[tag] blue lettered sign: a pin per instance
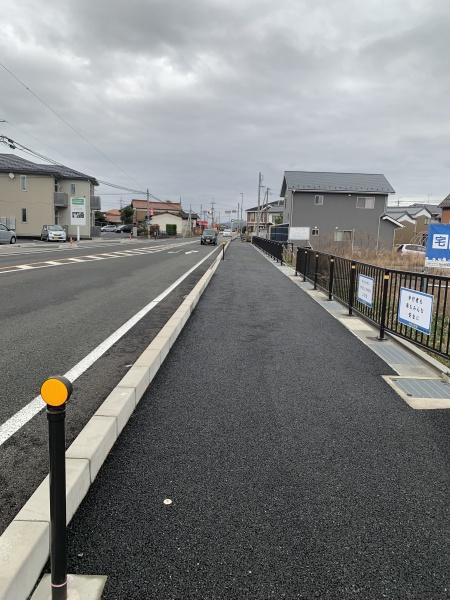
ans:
(438, 246)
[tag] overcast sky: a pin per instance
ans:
(193, 97)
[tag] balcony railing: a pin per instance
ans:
(61, 200)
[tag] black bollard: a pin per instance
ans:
(55, 391)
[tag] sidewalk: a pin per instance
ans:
(294, 470)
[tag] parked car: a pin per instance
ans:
(209, 236)
(109, 228)
(127, 228)
(413, 249)
(53, 233)
(226, 233)
(7, 236)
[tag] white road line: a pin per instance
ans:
(21, 417)
(89, 258)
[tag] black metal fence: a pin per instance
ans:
(374, 293)
(270, 247)
(279, 233)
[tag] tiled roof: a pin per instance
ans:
(309, 181)
(159, 206)
(445, 202)
(10, 163)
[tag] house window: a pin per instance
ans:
(23, 183)
(315, 231)
(365, 202)
(24, 215)
(318, 200)
(72, 189)
(343, 235)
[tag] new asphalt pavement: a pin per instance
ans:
(54, 314)
(269, 459)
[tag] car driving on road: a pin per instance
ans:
(226, 233)
(209, 236)
(53, 233)
(7, 236)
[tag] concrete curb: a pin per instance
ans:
(24, 545)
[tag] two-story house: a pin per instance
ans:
(325, 209)
(269, 214)
(33, 195)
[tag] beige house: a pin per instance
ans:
(33, 195)
(164, 213)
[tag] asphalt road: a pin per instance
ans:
(52, 317)
(294, 470)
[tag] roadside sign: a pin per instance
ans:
(365, 290)
(299, 233)
(438, 246)
(78, 211)
(415, 309)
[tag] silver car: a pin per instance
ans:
(7, 236)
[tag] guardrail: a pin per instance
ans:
(270, 247)
(414, 306)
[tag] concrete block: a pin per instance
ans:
(119, 404)
(137, 378)
(151, 358)
(94, 442)
(163, 344)
(24, 548)
(78, 480)
(79, 587)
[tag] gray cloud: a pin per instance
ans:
(194, 98)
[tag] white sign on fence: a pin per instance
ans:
(365, 290)
(299, 233)
(415, 309)
(78, 211)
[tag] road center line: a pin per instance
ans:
(25, 414)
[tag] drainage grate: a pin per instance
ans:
(392, 354)
(423, 388)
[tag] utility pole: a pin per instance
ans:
(240, 216)
(190, 222)
(258, 214)
(148, 214)
(267, 212)
(212, 213)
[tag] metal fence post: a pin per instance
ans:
(55, 391)
(296, 261)
(330, 282)
(305, 267)
(316, 270)
(386, 278)
(351, 291)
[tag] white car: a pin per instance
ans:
(414, 249)
(109, 228)
(226, 233)
(7, 236)
(53, 233)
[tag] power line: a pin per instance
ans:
(13, 144)
(66, 122)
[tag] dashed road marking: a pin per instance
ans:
(91, 258)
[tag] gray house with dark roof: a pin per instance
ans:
(325, 209)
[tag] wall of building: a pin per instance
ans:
(445, 218)
(37, 200)
(167, 219)
(339, 212)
